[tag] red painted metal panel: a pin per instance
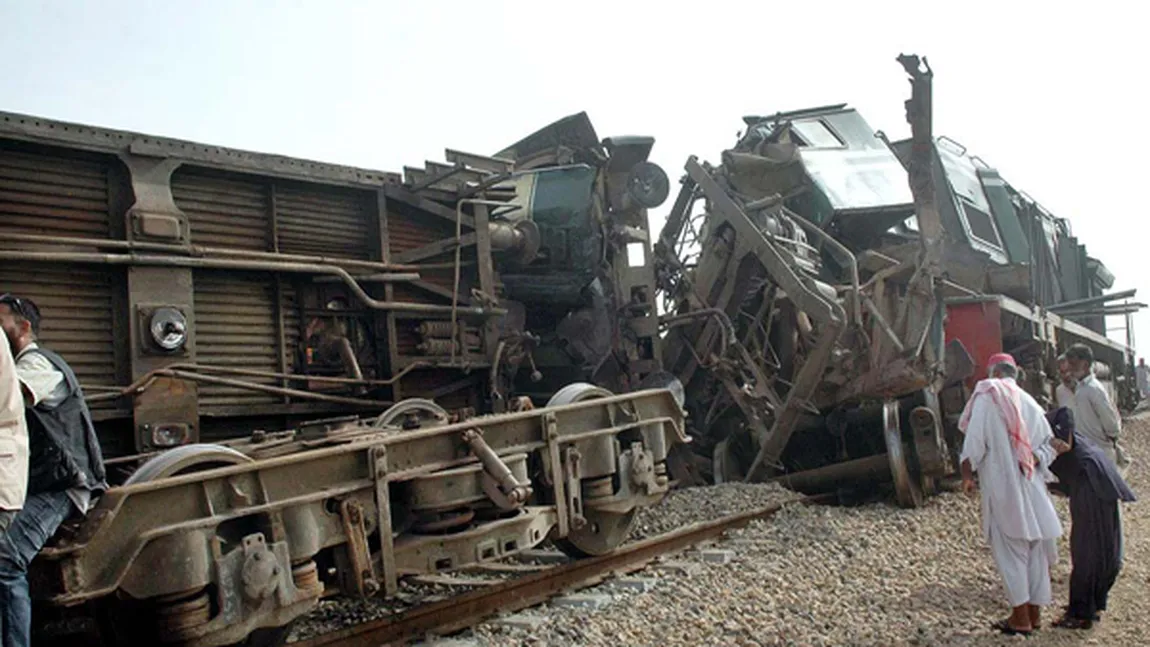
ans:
(978, 327)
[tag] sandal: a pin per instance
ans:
(1004, 627)
(1070, 622)
(1096, 617)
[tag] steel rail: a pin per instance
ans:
(467, 610)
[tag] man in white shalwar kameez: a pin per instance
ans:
(1009, 443)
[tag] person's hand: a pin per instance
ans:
(968, 486)
(1060, 446)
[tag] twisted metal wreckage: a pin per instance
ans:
(826, 321)
(306, 347)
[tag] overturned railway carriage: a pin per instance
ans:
(201, 292)
(314, 378)
(829, 316)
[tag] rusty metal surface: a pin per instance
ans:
(224, 211)
(54, 193)
(792, 302)
(106, 140)
(196, 512)
(327, 221)
(236, 327)
(42, 193)
(77, 310)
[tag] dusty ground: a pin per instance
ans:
(1125, 622)
(872, 575)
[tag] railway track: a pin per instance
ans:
(470, 609)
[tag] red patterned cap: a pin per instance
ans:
(1001, 358)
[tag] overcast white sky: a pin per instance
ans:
(1049, 94)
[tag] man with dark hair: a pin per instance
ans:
(66, 465)
(1095, 416)
(1064, 392)
(1095, 489)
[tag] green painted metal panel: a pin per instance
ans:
(1009, 225)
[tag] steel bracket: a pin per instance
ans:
(383, 507)
(361, 578)
(554, 471)
(154, 215)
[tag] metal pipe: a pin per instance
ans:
(846, 255)
(266, 266)
(140, 384)
(882, 323)
(1089, 301)
(515, 491)
(861, 470)
(347, 354)
(1120, 309)
(277, 390)
(254, 386)
(400, 277)
(198, 250)
(726, 327)
(887, 272)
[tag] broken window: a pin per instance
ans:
(815, 134)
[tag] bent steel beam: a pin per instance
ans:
(828, 314)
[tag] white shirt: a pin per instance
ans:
(49, 389)
(1019, 507)
(1095, 416)
(1064, 396)
(13, 433)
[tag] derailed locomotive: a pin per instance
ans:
(830, 316)
(820, 322)
(310, 378)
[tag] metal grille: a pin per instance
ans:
(236, 327)
(76, 307)
(224, 212)
(409, 229)
(44, 194)
(325, 221)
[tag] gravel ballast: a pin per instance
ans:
(871, 575)
(679, 508)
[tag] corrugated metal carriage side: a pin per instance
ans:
(67, 204)
(58, 192)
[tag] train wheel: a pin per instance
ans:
(603, 533)
(577, 392)
(412, 413)
(186, 459)
(907, 487)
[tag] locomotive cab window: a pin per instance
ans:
(980, 225)
(814, 134)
